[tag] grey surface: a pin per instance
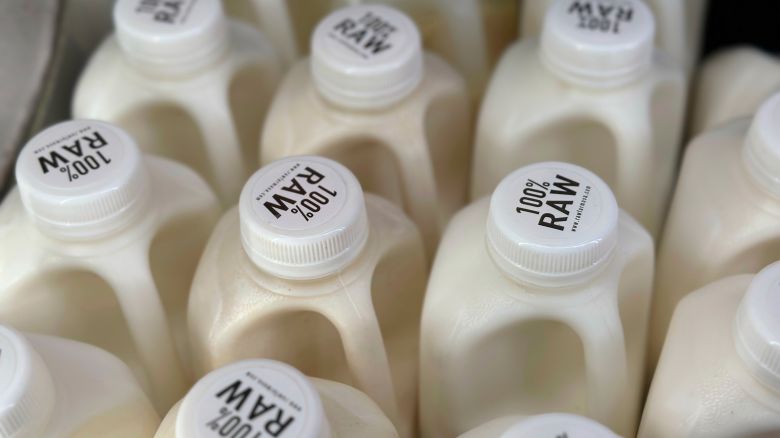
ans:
(44, 45)
(27, 34)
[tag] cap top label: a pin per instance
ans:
(551, 202)
(76, 155)
(363, 33)
(168, 12)
(255, 402)
(298, 195)
(601, 21)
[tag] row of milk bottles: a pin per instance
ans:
(591, 90)
(550, 312)
(106, 240)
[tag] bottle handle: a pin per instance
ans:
(274, 19)
(211, 111)
(358, 326)
(464, 26)
(606, 363)
(131, 278)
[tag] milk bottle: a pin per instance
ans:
(733, 84)
(53, 387)
(470, 34)
(718, 375)
(723, 219)
(541, 426)
(369, 98)
(680, 24)
(186, 83)
(306, 271)
(597, 98)
(551, 281)
(99, 244)
(256, 397)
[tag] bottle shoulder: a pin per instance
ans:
(716, 203)
(177, 192)
(228, 275)
(297, 101)
(351, 413)
(464, 264)
(699, 375)
(88, 381)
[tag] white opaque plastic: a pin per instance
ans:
(613, 114)
(100, 244)
(556, 425)
(57, 387)
(718, 374)
(680, 25)
(562, 339)
(470, 34)
(293, 405)
(187, 83)
(414, 152)
(732, 84)
(724, 213)
(343, 308)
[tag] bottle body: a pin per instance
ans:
(700, 387)
(414, 153)
(358, 327)
(495, 316)
(732, 84)
(125, 293)
(679, 24)
(628, 136)
(209, 120)
(727, 229)
(349, 413)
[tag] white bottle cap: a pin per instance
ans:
(757, 326)
(366, 56)
(598, 43)
(558, 426)
(26, 388)
(256, 397)
(163, 37)
(552, 224)
(303, 217)
(761, 153)
(82, 179)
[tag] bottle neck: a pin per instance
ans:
(181, 64)
(756, 166)
(597, 80)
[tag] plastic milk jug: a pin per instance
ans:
(187, 83)
(100, 244)
(551, 281)
(541, 426)
(680, 24)
(54, 387)
(724, 215)
(260, 397)
(719, 373)
(370, 98)
(733, 84)
(307, 271)
(600, 98)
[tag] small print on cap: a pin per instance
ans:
(72, 155)
(299, 194)
(601, 20)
